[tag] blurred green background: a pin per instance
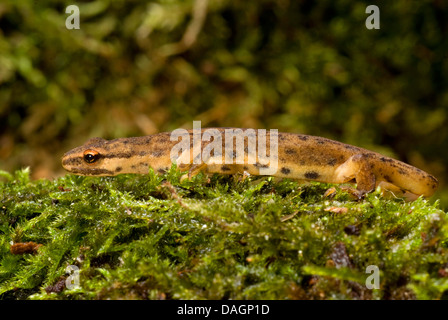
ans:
(141, 67)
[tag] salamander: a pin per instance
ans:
(298, 156)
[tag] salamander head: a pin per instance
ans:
(91, 159)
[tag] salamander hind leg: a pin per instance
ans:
(390, 191)
(359, 168)
(191, 168)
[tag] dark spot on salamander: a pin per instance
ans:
(225, 168)
(387, 178)
(290, 151)
(144, 164)
(161, 170)
(162, 139)
(285, 170)
(157, 153)
(311, 175)
(245, 168)
(133, 166)
(332, 162)
(349, 147)
(118, 169)
(433, 179)
(259, 165)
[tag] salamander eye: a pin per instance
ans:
(91, 156)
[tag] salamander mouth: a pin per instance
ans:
(90, 171)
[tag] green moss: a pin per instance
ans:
(219, 237)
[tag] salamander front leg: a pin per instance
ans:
(359, 168)
(193, 169)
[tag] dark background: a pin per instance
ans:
(137, 68)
